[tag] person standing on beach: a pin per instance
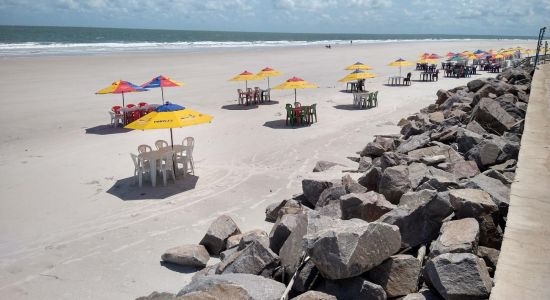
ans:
(351, 42)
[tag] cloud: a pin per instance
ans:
(313, 5)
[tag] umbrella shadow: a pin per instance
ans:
(178, 268)
(127, 189)
(349, 107)
(393, 85)
(106, 130)
(281, 124)
(272, 102)
(239, 107)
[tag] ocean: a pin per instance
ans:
(46, 40)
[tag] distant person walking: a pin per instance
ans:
(351, 42)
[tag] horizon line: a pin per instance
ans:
(270, 32)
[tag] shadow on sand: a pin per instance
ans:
(126, 189)
(178, 268)
(239, 107)
(349, 107)
(106, 129)
(272, 102)
(281, 124)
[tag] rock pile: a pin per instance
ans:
(424, 221)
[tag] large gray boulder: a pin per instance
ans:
(314, 295)
(419, 218)
(350, 248)
(232, 286)
(313, 188)
(491, 116)
(323, 165)
(351, 185)
(463, 169)
(392, 159)
(371, 178)
(306, 277)
(498, 191)
(294, 247)
(436, 179)
(219, 231)
(187, 255)
(490, 234)
(394, 183)
(356, 288)
(414, 142)
(281, 230)
(490, 256)
(368, 206)
(458, 276)
(460, 236)
(471, 203)
(330, 194)
(254, 235)
(423, 295)
(398, 275)
(373, 149)
(438, 149)
(158, 296)
(255, 259)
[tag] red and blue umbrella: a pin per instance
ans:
(121, 87)
(161, 82)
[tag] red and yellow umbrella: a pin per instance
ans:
(121, 87)
(246, 76)
(161, 82)
(295, 83)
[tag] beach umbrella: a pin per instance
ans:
(400, 63)
(498, 56)
(456, 58)
(426, 61)
(121, 87)
(358, 66)
(161, 82)
(434, 56)
(295, 83)
(246, 76)
(356, 75)
(478, 51)
(268, 72)
(169, 116)
(450, 54)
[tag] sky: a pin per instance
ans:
(506, 17)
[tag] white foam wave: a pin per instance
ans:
(31, 48)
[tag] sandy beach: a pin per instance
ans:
(73, 225)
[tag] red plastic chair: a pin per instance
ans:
(142, 104)
(116, 109)
(130, 105)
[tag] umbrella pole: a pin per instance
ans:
(268, 82)
(171, 138)
(294, 97)
(162, 93)
(246, 84)
(122, 99)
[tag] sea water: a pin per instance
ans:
(47, 40)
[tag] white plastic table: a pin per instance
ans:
(153, 156)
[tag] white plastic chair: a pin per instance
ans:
(167, 164)
(116, 118)
(161, 144)
(144, 148)
(187, 159)
(140, 168)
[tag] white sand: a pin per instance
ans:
(70, 227)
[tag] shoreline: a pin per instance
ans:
(125, 50)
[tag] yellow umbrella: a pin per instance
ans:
(400, 63)
(169, 116)
(498, 56)
(246, 76)
(268, 72)
(356, 75)
(358, 66)
(295, 83)
(426, 61)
